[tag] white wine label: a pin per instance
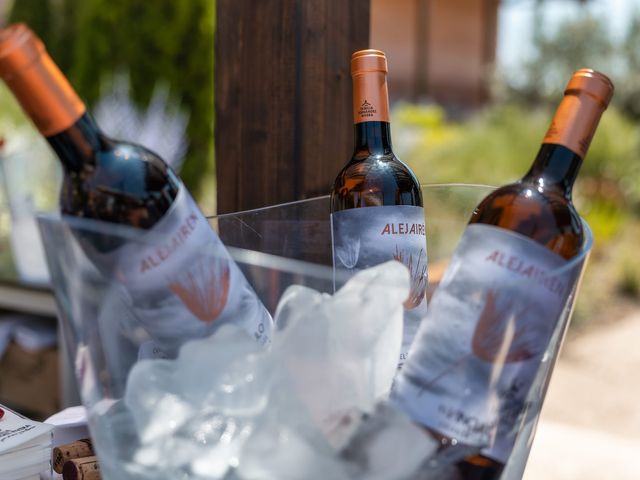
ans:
(182, 284)
(365, 237)
(477, 352)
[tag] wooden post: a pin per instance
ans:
(283, 97)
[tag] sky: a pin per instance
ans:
(515, 20)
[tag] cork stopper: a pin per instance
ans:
(63, 453)
(85, 468)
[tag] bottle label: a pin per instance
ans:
(478, 350)
(365, 237)
(181, 283)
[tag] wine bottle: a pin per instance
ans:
(175, 289)
(492, 316)
(376, 201)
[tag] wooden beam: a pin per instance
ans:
(283, 97)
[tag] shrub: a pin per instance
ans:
(493, 147)
(159, 41)
(497, 145)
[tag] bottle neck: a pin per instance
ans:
(77, 146)
(44, 93)
(567, 140)
(371, 112)
(372, 138)
(46, 96)
(555, 167)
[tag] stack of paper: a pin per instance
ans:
(69, 425)
(25, 447)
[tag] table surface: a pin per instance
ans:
(25, 298)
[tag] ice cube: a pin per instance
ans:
(341, 351)
(191, 418)
(284, 453)
(388, 446)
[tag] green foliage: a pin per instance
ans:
(605, 218)
(170, 41)
(615, 143)
(609, 181)
(628, 81)
(65, 22)
(625, 262)
(12, 113)
(36, 14)
(581, 42)
(608, 189)
(629, 283)
(160, 41)
(495, 146)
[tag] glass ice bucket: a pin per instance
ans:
(275, 248)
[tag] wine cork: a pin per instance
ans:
(64, 453)
(85, 468)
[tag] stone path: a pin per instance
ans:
(590, 424)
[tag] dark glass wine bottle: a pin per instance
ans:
(126, 184)
(492, 317)
(376, 201)
(539, 206)
(103, 179)
(374, 176)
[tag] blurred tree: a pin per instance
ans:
(64, 25)
(35, 13)
(628, 85)
(576, 43)
(160, 41)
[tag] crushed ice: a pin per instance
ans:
(309, 407)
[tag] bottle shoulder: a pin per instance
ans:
(381, 164)
(130, 159)
(125, 183)
(375, 180)
(544, 215)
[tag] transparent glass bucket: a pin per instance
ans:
(275, 247)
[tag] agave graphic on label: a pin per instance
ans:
(418, 275)
(348, 252)
(204, 288)
(504, 333)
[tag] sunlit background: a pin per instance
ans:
(472, 105)
(473, 85)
